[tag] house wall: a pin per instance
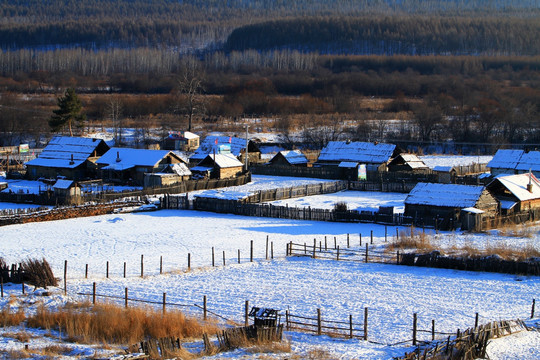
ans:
(487, 202)
(501, 171)
(528, 205)
(415, 210)
(36, 172)
(229, 172)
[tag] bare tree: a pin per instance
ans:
(189, 86)
(114, 109)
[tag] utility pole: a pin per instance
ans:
(247, 143)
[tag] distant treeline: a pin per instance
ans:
(411, 35)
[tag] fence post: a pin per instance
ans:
(397, 258)
(86, 272)
(314, 248)
(251, 251)
(239, 255)
(365, 323)
(397, 234)
(126, 297)
(319, 322)
(325, 244)
(337, 254)
(385, 233)
(476, 321)
(125, 269)
(532, 310)
(22, 287)
(305, 248)
(161, 264)
(367, 251)
(433, 329)
(65, 277)
(142, 265)
(164, 301)
(335, 243)
(272, 250)
(290, 248)
(287, 320)
(360, 236)
(246, 312)
(223, 257)
(94, 293)
(371, 237)
(414, 329)
(350, 327)
(348, 244)
(213, 259)
(2, 284)
(266, 247)
(107, 270)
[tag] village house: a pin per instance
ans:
(446, 201)
(289, 158)
(516, 193)
(226, 145)
(409, 163)
(171, 174)
(511, 162)
(126, 165)
(219, 166)
(181, 140)
(375, 155)
(69, 157)
(67, 191)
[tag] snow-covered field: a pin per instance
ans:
(454, 160)
(301, 285)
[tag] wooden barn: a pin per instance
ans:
(126, 165)
(407, 162)
(289, 158)
(70, 157)
(445, 201)
(226, 145)
(516, 193)
(67, 191)
(219, 166)
(374, 155)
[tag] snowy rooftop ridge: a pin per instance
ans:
(211, 144)
(445, 195)
(126, 158)
(223, 160)
(294, 157)
(66, 152)
(517, 185)
(516, 159)
(362, 152)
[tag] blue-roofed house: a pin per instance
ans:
(226, 145)
(127, 165)
(505, 161)
(70, 157)
(290, 158)
(374, 155)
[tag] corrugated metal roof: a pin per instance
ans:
(225, 160)
(413, 161)
(62, 184)
(60, 151)
(506, 159)
(348, 164)
(529, 161)
(361, 152)
(517, 185)
(126, 158)
(445, 195)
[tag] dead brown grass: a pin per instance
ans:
(270, 347)
(10, 318)
(21, 336)
(411, 239)
(516, 230)
(15, 354)
(114, 324)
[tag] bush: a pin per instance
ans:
(340, 206)
(38, 273)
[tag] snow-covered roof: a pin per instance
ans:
(529, 161)
(362, 152)
(66, 152)
(348, 164)
(127, 158)
(517, 185)
(180, 169)
(293, 157)
(443, 168)
(506, 159)
(473, 210)
(445, 195)
(62, 184)
(209, 146)
(413, 161)
(221, 160)
(189, 135)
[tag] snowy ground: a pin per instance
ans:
(301, 285)
(454, 160)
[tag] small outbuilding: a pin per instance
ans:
(445, 202)
(181, 140)
(219, 166)
(171, 174)
(290, 158)
(67, 191)
(516, 193)
(409, 163)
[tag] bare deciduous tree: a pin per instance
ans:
(189, 86)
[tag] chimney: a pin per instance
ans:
(118, 156)
(529, 185)
(71, 162)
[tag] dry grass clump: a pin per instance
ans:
(15, 354)
(114, 324)
(411, 240)
(9, 318)
(21, 336)
(38, 273)
(516, 230)
(508, 253)
(270, 347)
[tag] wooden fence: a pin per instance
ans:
(320, 326)
(297, 191)
(296, 171)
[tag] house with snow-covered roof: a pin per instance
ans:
(445, 201)
(516, 193)
(407, 162)
(127, 165)
(374, 155)
(289, 158)
(509, 162)
(181, 140)
(226, 145)
(218, 166)
(169, 175)
(70, 157)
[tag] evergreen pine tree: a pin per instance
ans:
(68, 112)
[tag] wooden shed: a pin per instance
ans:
(226, 145)
(445, 201)
(67, 191)
(407, 162)
(219, 166)
(171, 174)
(516, 193)
(290, 158)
